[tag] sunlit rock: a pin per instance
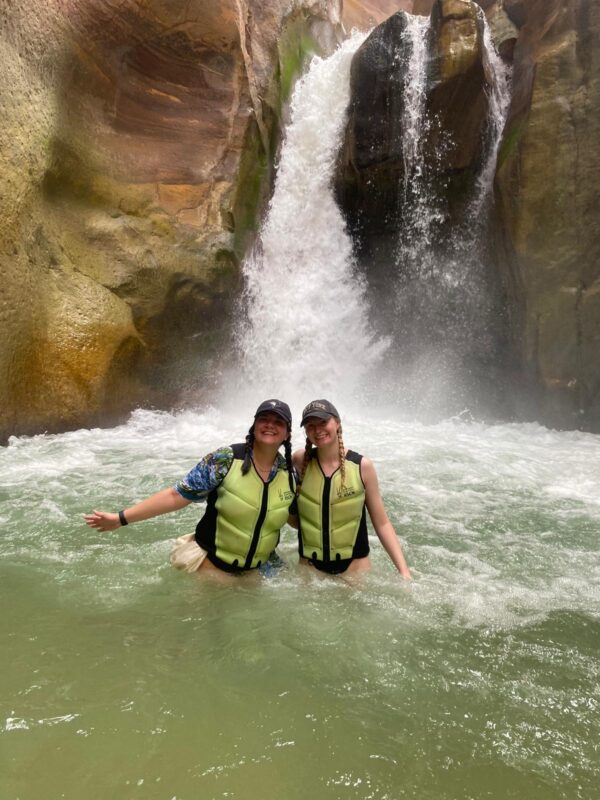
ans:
(457, 100)
(137, 144)
(365, 14)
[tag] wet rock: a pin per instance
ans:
(365, 14)
(504, 32)
(549, 188)
(457, 100)
(372, 163)
(517, 11)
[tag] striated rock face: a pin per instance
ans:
(365, 14)
(135, 150)
(425, 7)
(549, 188)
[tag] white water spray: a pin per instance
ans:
(415, 94)
(418, 210)
(307, 331)
(499, 77)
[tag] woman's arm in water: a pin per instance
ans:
(381, 522)
(159, 503)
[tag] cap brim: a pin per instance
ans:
(318, 415)
(273, 411)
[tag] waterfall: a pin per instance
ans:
(445, 314)
(307, 329)
(417, 208)
(415, 95)
(499, 75)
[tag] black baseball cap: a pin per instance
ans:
(322, 409)
(275, 407)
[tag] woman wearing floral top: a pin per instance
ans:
(248, 488)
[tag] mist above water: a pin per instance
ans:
(308, 331)
(444, 308)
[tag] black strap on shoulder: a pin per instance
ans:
(239, 450)
(353, 456)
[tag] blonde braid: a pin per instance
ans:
(342, 456)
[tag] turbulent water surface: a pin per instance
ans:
(123, 678)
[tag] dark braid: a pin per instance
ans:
(287, 446)
(307, 456)
(248, 452)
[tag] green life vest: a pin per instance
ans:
(244, 516)
(332, 515)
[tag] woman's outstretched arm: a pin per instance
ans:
(159, 503)
(381, 522)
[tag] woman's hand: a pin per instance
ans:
(103, 520)
(160, 503)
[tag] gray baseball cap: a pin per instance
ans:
(322, 409)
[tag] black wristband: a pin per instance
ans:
(122, 518)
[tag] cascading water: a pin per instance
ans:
(499, 75)
(417, 209)
(307, 315)
(447, 315)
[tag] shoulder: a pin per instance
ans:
(298, 458)
(354, 457)
(221, 457)
(367, 471)
(237, 450)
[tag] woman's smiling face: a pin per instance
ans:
(270, 428)
(321, 432)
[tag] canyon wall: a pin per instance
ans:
(548, 186)
(543, 245)
(137, 147)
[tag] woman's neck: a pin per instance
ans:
(264, 454)
(329, 454)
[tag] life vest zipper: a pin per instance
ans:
(325, 519)
(259, 523)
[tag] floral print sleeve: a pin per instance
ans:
(206, 475)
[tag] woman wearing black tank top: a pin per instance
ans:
(335, 488)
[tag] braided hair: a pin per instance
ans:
(308, 454)
(287, 446)
(248, 451)
(342, 451)
(308, 450)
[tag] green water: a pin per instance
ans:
(125, 679)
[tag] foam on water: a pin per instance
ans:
(498, 520)
(135, 673)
